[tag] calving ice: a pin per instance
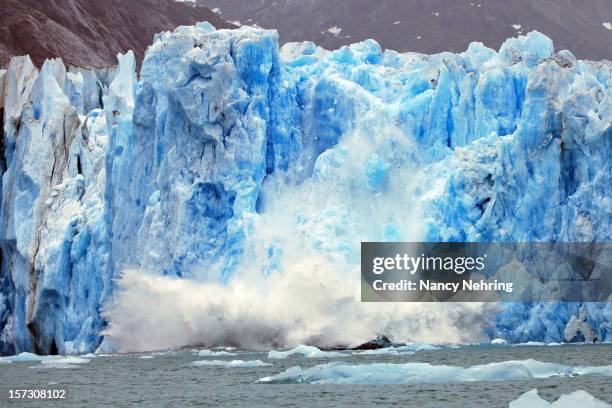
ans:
(233, 175)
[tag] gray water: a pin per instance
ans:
(168, 380)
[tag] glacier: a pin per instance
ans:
(226, 157)
(425, 373)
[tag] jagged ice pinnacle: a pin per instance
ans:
(180, 171)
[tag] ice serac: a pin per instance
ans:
(199, 125)
(182, 171)
(54, 256)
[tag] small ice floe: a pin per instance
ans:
(235, 22)
(536, 343)
(607, 25)
(65, 360)
(517, 26)
(436, 14)
(417, 347)
(216, 10)
(213, 353)
(424, 373)
(306, 352)
(25, 357)
(579, 398)
(499, 341)
(145, 357)
(387, 351)
(30, 357)
(55, 366)
(396, 349)
(396, 22)
(230, 364)
(162, 353)
(334, 30)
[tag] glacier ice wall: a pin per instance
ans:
(55, 271)
(228, 162)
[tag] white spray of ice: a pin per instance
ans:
(299, 278)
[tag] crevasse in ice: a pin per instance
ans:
(170, 170)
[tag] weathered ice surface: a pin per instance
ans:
(228, 154)
(55, 257)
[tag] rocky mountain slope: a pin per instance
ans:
(430, 26)
(90, 33)
(221, 196)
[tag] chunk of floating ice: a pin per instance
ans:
(499, 341)
(212, 353)
(231, 364)
(55, 365)
(379, 373)
(579, 398)
(30, 357)
(306, 352)
(66, 360)
(334, 30)
(417, 347)
(25, 357)
(387, 351)
(536, 343)
(145, 357)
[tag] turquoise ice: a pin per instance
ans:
(172, 170)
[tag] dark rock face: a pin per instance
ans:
(90, 33)
(377, 343)
(430, 26)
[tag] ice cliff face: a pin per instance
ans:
(174, 171)
(54, 241)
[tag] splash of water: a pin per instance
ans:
(299, 280)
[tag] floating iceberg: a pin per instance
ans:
(55, 366)
(387, 351)
(66, 360)
(212, 353)
(231, 364)
(418, 347)
(579, 398)
(25, 357)
(306, 352)
(232, 164)
(379, 373)
(54, 361)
